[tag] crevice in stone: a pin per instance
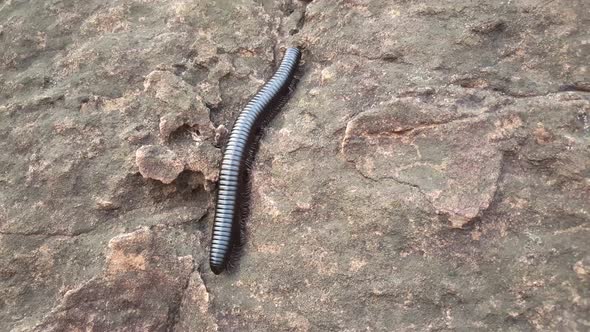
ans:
(496, 197)
(404, 183)
(400, 132)
(575, 87)
(47, 234)
(503, 90)
(197, 225)
(301, 22)
(174, 309)
(185, 132)
(213, 110)
(390, 58)
(412, 186)
(188, 182)
(198, 271)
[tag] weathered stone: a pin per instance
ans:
(141, 288)
(422, 144)
(202, 158)
(185, 107)
(194, 311)
(158, 163)
(103, 204)
(170, 89)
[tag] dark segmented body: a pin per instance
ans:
(226, 233)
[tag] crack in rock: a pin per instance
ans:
(448, 151)
(194, 311)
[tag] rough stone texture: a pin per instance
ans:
(158, 163)
(430, 172)
(421, 142)
(141, 288)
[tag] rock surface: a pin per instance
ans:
(158, 163)
(430, 172)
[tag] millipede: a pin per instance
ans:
(231, 208)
